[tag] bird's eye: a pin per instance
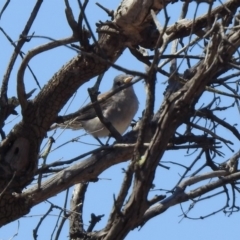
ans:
(118, 84)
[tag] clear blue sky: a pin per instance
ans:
(51, 22)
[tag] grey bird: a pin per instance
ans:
(119, 109)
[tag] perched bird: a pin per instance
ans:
(119, 109)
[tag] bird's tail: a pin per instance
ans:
(73, 124)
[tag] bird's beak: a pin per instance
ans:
(128, 79)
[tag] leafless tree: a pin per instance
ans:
(178, 124)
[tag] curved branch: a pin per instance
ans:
(209, 114)
(180, 196)
(20, 76)
(21, 41)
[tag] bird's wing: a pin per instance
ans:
(86, 115)
(90, 113)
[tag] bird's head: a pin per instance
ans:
(121, 80)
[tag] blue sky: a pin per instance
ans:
(51, 22)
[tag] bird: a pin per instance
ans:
(118, 109)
